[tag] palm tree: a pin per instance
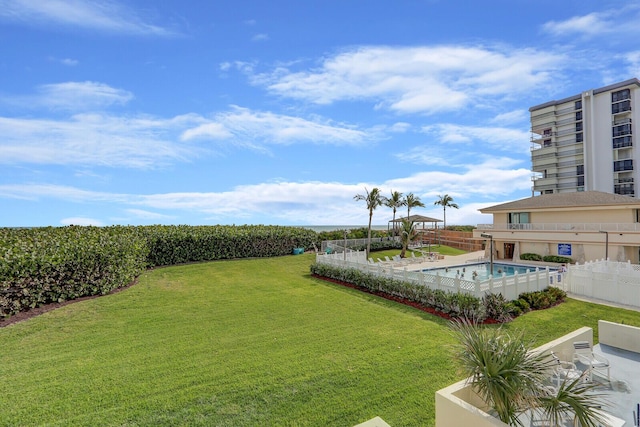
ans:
(407, 234)
(373, 199)
(511, 378)
(412, 201)
(445, 201)
(394, 202)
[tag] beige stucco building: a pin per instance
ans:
(584, 226)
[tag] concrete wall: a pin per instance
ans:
(620, 336)
(458, 405)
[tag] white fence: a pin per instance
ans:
(617, 282)
(338, 245)
(509, 286)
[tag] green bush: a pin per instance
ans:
(496, 306)
(44, 265)
(522, 304)
(456, 305)
(531, 257)
(55, 264)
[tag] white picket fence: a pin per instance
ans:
(617, 282)
(509, 286)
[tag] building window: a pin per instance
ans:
(548, 191)
(622, 141)
(546, 132)
(579, 105)
(547, 143)
(579, 127)
(579, 137)
(621, 130)
(621, 107)
(620, 95)
(581, 181)
(578, 115)
(517, 220)
(623, 165)
(580, 170)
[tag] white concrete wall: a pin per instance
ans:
(620, 336)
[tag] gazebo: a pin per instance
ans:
(416, 219)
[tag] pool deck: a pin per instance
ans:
(449, 260)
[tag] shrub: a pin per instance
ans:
(456, 305)
(557, 259)
(55, 264)
(531, 257)
(522, 304)
(496, 307)
(513, 309)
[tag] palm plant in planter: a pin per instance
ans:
(513, 379)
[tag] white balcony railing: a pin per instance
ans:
(594, 227)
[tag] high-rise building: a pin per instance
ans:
(585, 142)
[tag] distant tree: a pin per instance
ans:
(394, 202)
(412, 201)
(373, 199)
(445, 201)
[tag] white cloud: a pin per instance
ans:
(72, 96)
(245, 126)
(511, 117)
(619, 22)
(93, 139)
(260, 37)
(101, 15)
(311, 202)
(425, 79)
(143, 214)
(500, 138)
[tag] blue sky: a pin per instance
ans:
(279, 112)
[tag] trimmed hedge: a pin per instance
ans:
(456, 305)
(43, 265)
(547, 258)
(55, 264)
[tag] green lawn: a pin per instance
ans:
(239, 343)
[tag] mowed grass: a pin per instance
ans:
(240, 343)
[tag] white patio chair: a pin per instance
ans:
(564, 371)
(583, 353)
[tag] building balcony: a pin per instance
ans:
(571, 227)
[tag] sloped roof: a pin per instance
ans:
(417, 218)
(565, 200)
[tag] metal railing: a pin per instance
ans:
(620, 227)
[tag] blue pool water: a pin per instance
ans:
(481, 270)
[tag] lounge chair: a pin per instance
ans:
(583, 353)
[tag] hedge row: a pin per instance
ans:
(547, 258)
(43, 265)
(456, 305)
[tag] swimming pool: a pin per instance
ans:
(480, 271)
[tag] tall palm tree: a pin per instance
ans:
(373, 199)
(412, 201)
(511, 378)
(407, 234)
(394, 202)
(445, 201)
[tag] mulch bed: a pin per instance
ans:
(397, 299)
